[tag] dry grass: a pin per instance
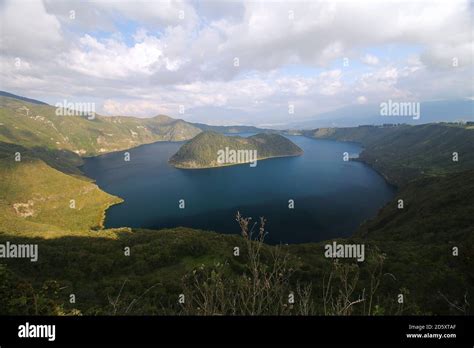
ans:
(264, 288)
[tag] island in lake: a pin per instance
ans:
(210, 150)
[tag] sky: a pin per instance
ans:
(230, 62)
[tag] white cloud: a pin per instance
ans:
(142, 58)
(138, 108)
(102, 14)
(115, 60)
(331, 83)
(370, 59)
(27, 30)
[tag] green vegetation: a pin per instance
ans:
(36, 199)
(203, 150)
(403, 153)
(33, 125)
(202, 266)
(435, 210)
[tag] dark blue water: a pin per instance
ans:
(332, 197)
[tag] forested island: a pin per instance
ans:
(210, 150)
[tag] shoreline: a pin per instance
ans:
(378, 171)
(103, 214)
(232, 164)
(360, 160)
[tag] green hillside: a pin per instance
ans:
(403, 153)
(202, 151)
(35, 198)
(435, 210)
(33, 125)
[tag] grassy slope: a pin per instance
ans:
(35, 200)
(202, 150)
(32, 125)
(35, 193)
(436, 210)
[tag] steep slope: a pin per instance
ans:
(44, 194)
(404, 153)
(203, 150)
(435, 210)
(33, 125)
(38, 200)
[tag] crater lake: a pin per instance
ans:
(331, 196)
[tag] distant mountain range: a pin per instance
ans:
(355, 115)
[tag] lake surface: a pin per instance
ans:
(331, 196)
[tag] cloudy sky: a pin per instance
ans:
(236, 62)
